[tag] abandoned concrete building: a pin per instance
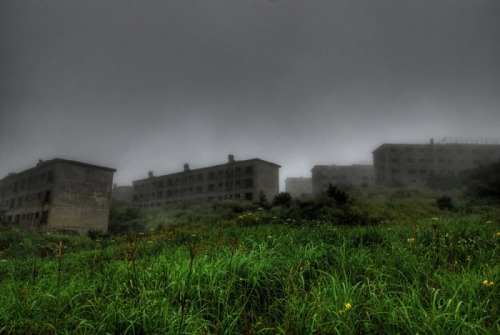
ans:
(236, 180)
(416, 164)
(298, 187)
(356, 175)
(58, 195)
(121, 194)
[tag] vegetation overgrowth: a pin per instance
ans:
(404, 262)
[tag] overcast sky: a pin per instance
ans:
(142, 85)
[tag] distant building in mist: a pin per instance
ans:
(235, 180)
(58, 195)
(298, 186)
(356, 175)
(122, 194)
(431, 163)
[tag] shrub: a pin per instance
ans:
(445, 203)
(282, 199)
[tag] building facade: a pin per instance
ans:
(122, 194)
(356, 175)
(236, 180)
(417, 164)
(58, 195)
(298, 186)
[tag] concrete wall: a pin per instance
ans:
(414, 164)
(81, 198)
(58, 195)
(356, 175)
(235, 180)
(298, 187)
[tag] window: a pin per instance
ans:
(45, 217)
(46, 197)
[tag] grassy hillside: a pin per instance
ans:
(382, 265)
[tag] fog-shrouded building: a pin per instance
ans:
(235, 180)
(58, 195)
(122, 194)
(298, 186)
(418, 164)
(356, 175)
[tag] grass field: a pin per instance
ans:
(414, 273)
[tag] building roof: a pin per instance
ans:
(212, 167)
(60, 160)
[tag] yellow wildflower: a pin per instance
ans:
(486, 282)
(348, 306)
(491, 283)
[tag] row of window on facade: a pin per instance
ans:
(431, 160)
(472, 150)
(237, 196)
(29, 218)
(350, 177)
(424, 172)
(225, 173)
(198, 189)
(27, 183)
(39, 197)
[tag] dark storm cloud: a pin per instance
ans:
(143, 85)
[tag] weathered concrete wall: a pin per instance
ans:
(122, 194)
(237, 180)
(58, 195)
(267, 180)
(414, 164)
(298, 187)
(81, 198)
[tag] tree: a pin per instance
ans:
(484, 182)
(340, 197)
(263, 202)
(282, 199)
(123, 218)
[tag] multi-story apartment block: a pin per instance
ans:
(58, 195)
(298, 186)
(237, 180)
(356, 175)
(416, 164)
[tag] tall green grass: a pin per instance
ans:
(424, 276)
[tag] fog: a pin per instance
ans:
(151, 85)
